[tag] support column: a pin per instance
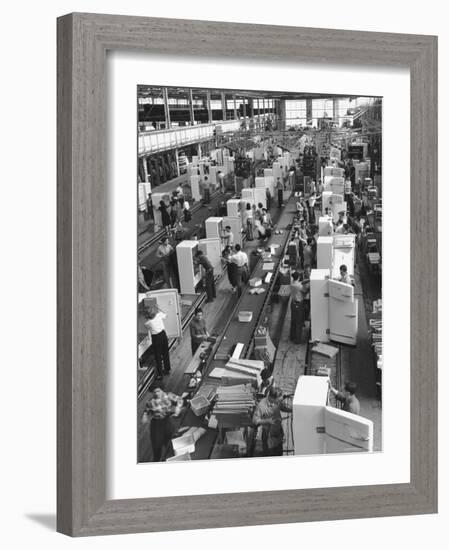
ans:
(282, 124)
(309, 111)
(258, 114)
(208, 106)
(145, 168)
(235, 107)
(177, 162)
(244, 108)
(223, 105)
(335, 110)
(192, 113)
(166, 108)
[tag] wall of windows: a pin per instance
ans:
(295, 113)
(296, 110)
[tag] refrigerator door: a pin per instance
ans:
(319, 303)
(346, 432)
(212, 249)
(343, 321)
(168, 301)
(341, 291)
(344, 247)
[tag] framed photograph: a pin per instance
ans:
(181, 144)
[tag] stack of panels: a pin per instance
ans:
(239, 371)
(234, 405)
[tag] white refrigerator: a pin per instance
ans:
(343, 313)
(189, 272)
(214, 227)
(320, 429)
(168, 301)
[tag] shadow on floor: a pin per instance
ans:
(46, 520)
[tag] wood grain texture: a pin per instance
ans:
(83, 40)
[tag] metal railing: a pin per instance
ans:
(162, 140)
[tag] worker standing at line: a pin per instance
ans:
(220, 178)
(164, 252)
(280, 190)
(160, 409)
(240, 259)
(268, 415)
(266, 383)
(228, 236)
(305, 281)
(347, 397)
(312, 200)
(297, 309)
(203, 260)
(231, 267)
(248, 221)
(159, 340)
(198, 331)
(308, 255)
(268, 197)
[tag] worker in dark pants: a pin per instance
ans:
(280, 190)
(268, 416)
(297, 308)
(159, 340)
(203, 260)
(160, 409)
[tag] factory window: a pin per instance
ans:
(295, 113)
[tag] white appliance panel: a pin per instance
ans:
(343, 321)
(324, 252)
(347, 432)
(168, 302)
(319, 303)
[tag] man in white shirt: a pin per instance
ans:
(240, 259)
(164, 251)
(297, 292)
(159, 340)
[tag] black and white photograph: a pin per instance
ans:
(259, 273)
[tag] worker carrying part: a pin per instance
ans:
(159, 340)
(160, 409)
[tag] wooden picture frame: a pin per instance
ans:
(83, 40)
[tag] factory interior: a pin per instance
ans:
(259, 274)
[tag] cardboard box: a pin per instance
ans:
(245, 316)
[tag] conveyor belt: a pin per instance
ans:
(236, 331)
